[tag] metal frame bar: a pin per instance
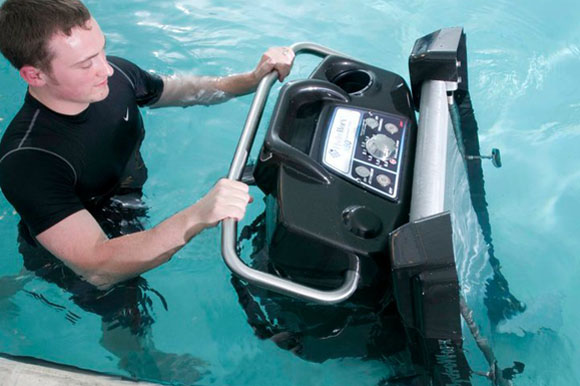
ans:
(229, 226)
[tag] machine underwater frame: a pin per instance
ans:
(346, 140)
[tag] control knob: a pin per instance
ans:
(380, 146)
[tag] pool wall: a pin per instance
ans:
(27, 372)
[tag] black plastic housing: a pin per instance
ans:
(441, 55)
(426, 290)
(315, 216)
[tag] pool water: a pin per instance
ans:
(524, 66)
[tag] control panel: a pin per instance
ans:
(366, 147)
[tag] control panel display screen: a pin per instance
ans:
(341, 139)
(366, 147)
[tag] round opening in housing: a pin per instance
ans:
(353, 81)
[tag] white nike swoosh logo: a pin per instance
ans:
(126, 117)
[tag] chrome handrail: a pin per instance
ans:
(229, 226)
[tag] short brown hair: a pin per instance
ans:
(26, 26)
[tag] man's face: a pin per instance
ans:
(79, 70)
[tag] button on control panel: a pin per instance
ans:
(367, 147)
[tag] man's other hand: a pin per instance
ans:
(227, 199)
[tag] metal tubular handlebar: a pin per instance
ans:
(229, 226)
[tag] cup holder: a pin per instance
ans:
(354, 82)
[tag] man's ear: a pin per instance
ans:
(33, 76)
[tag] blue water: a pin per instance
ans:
(524, 71)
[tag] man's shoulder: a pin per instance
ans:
(126, 69)
(33, 131)
(17, 128)
(121, 62)
(147, 86)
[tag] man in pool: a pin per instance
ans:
(70, 162)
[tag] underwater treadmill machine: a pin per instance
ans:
(355, 193)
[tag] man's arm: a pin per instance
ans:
(187, 90)
(82, 245)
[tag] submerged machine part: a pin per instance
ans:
(354, 255)
(336, 165)
(427, 296)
